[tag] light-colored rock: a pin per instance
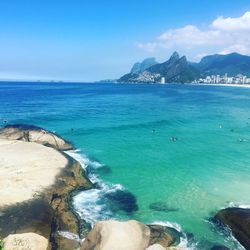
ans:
(114, 235)
(156, 247)
(160, 247)
(26, 170)
(27, 241)
(34, 134)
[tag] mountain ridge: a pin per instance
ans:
(179, 69)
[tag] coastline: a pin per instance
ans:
(51, 214)
(48, 216)
(48, 179)
(220, 85)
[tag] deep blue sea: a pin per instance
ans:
(170, 154)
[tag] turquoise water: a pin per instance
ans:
(124, 134)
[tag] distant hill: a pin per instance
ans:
(139, 67)
(178, 69)
(232, 64)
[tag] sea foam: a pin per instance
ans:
(92, 207)
(90, 204)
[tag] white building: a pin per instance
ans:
(163, 81)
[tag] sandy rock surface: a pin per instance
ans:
(27, 241)
(114, 235)
(27, 169)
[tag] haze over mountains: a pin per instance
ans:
(178, 69)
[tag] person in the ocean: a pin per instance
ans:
(242, 140)
(153, 131)
(174, 139)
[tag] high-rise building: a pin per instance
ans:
(163, 81)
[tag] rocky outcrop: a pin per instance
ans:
(28, 241)
(165, 236)
(159, 247)
(130, 235)
(34, 134)
(156, 247)
(238, 220)
(43, 181)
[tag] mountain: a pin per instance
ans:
(139, 67)
(176, 69)
(232, 64)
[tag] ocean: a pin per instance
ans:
(168, 154)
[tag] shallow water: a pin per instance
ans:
(124, 134)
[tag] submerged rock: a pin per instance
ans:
(219, 247)
(27, 241)
(131, 235)
(238, 220)
(121, 200)
(34, 134)
(162, 207)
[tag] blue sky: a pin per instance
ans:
(91, 40)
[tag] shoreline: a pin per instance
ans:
(52, 214)
(220, 85)
(42, 203)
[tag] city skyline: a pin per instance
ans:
(224, 79)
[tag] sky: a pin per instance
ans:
(83, 40)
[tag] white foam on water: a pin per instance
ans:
(233, 204)
(90, 204)
(69, 235)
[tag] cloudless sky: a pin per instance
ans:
(93, 39)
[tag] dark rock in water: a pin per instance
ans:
(162, 207)
(238, 220)
(165, 236)
(121, 200)
(104, 170)
(219, 247)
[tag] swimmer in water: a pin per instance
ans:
(242, 140)
(174, 139)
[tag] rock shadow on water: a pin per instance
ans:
(121, 200)
(162, 207)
